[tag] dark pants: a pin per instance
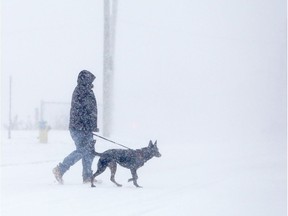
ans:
(84, 150)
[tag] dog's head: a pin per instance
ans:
(154, 149)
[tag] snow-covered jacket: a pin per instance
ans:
(83, 112)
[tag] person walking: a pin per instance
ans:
(82, 124)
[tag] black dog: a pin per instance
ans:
(131, 159)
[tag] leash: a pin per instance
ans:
(111, 141)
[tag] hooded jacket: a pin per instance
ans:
(83, 112)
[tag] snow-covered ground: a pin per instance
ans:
(189, 179)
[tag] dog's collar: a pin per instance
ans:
(139, 153)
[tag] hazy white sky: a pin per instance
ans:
(184, 66)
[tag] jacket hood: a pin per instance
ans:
(85, 78)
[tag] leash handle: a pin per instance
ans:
(111, 141)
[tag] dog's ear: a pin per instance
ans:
(155, 143)
(150, 143)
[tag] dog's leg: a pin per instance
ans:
(113, 167)
(134, 177)
(101, 167)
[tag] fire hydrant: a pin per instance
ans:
(43, 132)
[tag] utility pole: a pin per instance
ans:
(110, 16)
(10, 107)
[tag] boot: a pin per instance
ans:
(58, 175)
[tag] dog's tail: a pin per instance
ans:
(97, 153)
